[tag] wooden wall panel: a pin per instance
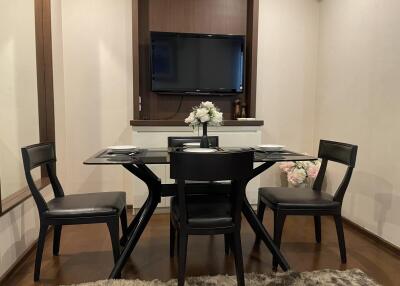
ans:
(44, 64)
(198, 16)
(147, 99)
(135, 59)
(168, 105)
(251, 56)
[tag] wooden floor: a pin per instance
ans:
(85, 254)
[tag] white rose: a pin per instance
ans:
(296, 176)
(218, 117)
(201, 112)
(190, 118)
(205, 118)
(304, 164)
(207, 104)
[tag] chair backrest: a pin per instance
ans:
(179, 141)
(41, 155)
(342, 153)
(234, 166)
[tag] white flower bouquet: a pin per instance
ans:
(205, 113)
(301, 171)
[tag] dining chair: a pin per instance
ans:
(312, 202)
(174, 142)
(209, 214)
(106, 207)
(180, 141)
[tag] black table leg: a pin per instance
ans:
(133, 224)
(140, 221)
(258, 227)
(260, 231)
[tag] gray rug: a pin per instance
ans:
(321, 277)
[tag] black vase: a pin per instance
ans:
(204, 143)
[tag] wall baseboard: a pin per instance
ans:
(382, 242)
(22, 257)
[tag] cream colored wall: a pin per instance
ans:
(19, 124)
(92, 42)
(286, 74)
(93, 105)
(358, 102)
(19, 120)
(19, 229)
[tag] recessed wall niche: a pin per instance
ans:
(236, 17)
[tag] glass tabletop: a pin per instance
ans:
(161, 156)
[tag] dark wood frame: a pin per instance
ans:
(145, 107)
(44, 67)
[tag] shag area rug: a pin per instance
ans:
(321, 277)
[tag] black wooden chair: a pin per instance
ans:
(209, 214)
(312, 202)
(174, 142)
(70, 209)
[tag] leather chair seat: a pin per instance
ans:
(291, 198)
(86, 205)
(205, 211)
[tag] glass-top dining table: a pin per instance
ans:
(137, 163)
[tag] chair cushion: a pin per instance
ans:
(86, 205)
(205, 211)
(294, 198)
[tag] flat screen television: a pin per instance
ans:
(197, 63)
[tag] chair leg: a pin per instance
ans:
(124, 222)
(260, 215)
(113, 228)
(172, 233)
(340, 235)
(178, 234)
(317, 225)
(279, 221)
(56, 239)
(183, 239)
(237, 252)
(39, 251)
(227, 243)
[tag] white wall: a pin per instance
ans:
(286, 79)
(358, 102)
(19, 229)
(19, 124)
(92, 46)
(19, 120)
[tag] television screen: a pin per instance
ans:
(197, 63)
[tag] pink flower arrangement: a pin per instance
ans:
(286, 166)
(300, 171)
(296, 176)
(312, 171)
